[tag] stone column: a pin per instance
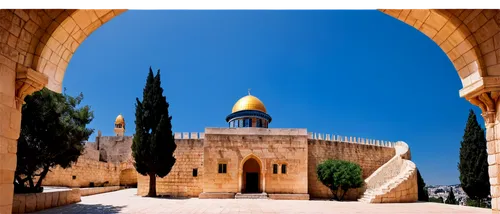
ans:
(488, 102)
(14, 86)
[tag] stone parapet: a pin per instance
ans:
(349, 139)
(32, 202)
(187, 135)
(255, 131)
(98, 190)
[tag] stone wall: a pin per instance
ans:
(98, 190)
(180, 182)
(90, 152)
(114, 149)
(82, 173)
(128, 177)
(269, 146)
(26, 203)
(369, 157)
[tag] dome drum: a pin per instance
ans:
(248, 113)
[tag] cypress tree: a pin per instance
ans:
(153, 144)
(473, 165)
(451, 197)
(423, 195)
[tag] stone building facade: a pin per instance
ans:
(247, 159)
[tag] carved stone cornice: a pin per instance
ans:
(27, 82)
(487, 102)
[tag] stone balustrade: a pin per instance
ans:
(189, 135)
(346, 139)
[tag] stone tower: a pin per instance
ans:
(119, 126)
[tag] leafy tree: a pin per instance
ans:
(340, 176)
(423, 195)
(52, 133)
(153, 144)
(437, 200)
(473, 165)
(451, 198)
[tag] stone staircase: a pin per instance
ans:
(251, 196)
(395, 181)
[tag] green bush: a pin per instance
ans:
(483, 203)
(437, 200)
(340, 176)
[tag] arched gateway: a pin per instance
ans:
(251, 176)
(37, 46)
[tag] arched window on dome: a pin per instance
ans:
(258, 123)
(247, 122)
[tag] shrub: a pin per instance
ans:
(340, 176)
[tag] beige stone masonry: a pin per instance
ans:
(180, 182)
(369, 157)
(187, 135)
(394, 181)
(345, 139)
(98, 190)
(32, 202)
(83, 172)
(27, 82)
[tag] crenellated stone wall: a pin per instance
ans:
(180, 182)
(370, 157)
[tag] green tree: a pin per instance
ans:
(423, 195)
(473, 163)
(437, 200)
(53, 129)
(340, 176)
(153, 144)
(451, 197)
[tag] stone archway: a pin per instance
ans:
(37, 45)
(251, 169)
(251, 177)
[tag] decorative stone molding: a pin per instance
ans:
(487, 101)
(27, 82)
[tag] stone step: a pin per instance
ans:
(251, 196)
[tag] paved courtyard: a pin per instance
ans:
(125, 201)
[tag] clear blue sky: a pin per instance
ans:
(352, 73)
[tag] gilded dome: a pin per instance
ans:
(119, 119)
(249, 102)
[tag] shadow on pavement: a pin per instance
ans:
(84, 208)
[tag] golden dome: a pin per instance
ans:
(249, 102)
(119, 119)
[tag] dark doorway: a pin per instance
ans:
(252, 184)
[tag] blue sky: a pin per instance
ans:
(351, 73)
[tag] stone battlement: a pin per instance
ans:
(189, 135)
(345, 139)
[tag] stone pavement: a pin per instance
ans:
(125, 201)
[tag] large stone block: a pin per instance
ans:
(40, 201)
(31, 202)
